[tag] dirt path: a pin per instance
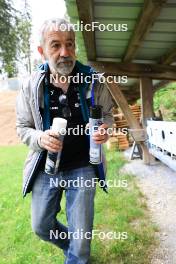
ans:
(158, 183)
(7, 118)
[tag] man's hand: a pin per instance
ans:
(49, 141)
(101, 135)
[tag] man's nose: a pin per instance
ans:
(64, 51)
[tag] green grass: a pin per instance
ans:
(164, 100)
(122, 210)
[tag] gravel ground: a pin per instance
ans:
(158, 183)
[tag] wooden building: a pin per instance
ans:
(145, 52)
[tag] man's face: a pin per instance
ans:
(59, 50)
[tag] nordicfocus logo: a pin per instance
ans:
(80, 234)
(82, 130)
(87, 183)
(93, 26)
(80, 78)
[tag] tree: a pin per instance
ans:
(24, 33)
(8, 37)
(15, 31)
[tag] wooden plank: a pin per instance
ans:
(123, 104)
(138, 134)
(169, 58)
(149, 14)
(85, 13)
(146, 89)
(132, 121)
(136, 70)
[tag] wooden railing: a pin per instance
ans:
(162, 141)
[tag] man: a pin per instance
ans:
(40, 100)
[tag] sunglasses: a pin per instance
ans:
(66, 111)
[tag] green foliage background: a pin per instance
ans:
(165, 100)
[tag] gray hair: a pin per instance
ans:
(54, 24)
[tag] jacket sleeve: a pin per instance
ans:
(104, 98)
(26, 130)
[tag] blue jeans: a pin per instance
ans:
(46, 197)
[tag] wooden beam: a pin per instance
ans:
(120, 100)
(149, 14)
(138, 134)
(130, 118)
(169, 57)
(146, 89)
(136, 70)
(136, 88)
(85, 13)
(132, 93)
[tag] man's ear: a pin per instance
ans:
(40, 50)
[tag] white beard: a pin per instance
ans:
(61, 68)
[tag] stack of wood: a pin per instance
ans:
(120, 140)
(120, 121)
(136, 109)
(123, 142)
